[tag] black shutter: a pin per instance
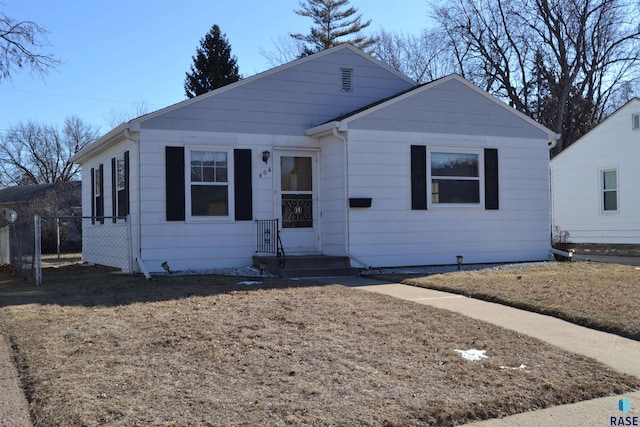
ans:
(114, 190)
(93, 196)
(418, 177)
(491, 196)
(175, 183)
(100, 200)
(243, 185)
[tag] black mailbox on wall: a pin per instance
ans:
(360, 202)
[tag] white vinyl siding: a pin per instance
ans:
(390, 233)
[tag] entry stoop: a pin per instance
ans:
(307, 265)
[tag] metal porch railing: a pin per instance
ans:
(268, 239)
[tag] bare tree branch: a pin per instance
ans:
(563, 62)
(31, 153)
(21, 43)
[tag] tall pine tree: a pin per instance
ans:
(333, 21)
(213, 66)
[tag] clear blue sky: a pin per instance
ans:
(117, 54)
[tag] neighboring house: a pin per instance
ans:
(349, 155)
(19, 204)
(596, 197)
(45, 199)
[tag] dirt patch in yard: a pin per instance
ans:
(597, 295)
(95, 348)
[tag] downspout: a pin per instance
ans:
(551, 145)
(336, 133)
(136, 140)
(128, 135)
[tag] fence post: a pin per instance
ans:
(37, 251)
(58, 236)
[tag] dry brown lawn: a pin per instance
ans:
(598, 295)
(96, 348)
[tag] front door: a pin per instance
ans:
(296, 201)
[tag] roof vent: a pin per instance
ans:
(636, 121)
(346, 74)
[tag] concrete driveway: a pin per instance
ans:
(626, 260)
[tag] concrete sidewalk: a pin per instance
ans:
(14, 409)
(621, 354)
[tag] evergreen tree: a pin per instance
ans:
(213, 66)
(333, 21)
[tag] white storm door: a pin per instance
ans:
(297, 201)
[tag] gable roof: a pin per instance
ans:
(598, 126)
(246, 81)
(123, 131)
(341, 123)
(26, 193)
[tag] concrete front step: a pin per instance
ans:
(307, 265)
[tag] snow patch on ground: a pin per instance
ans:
(513, 368)
(472, 354)
(232, 271)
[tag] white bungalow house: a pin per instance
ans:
(596, 197)
(353, 159)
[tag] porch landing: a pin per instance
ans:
(307, 265)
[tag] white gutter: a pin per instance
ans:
(552, 144)
(130, 137)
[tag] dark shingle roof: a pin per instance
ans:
(24, 193)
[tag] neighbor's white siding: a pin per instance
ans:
(577, 204)
(391, 234)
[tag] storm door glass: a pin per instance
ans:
(296, 184)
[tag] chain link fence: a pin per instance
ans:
(17, 246)
(31, 246)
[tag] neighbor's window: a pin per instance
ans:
(610, 190)
(635, 121)
(209, 172)
(455, 178)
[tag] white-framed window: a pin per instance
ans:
(120, 173)
(609, 190)
(97, 194)
(208, 174)
(635, 121)
(455, 177)
(98, 183)
(120, 182)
